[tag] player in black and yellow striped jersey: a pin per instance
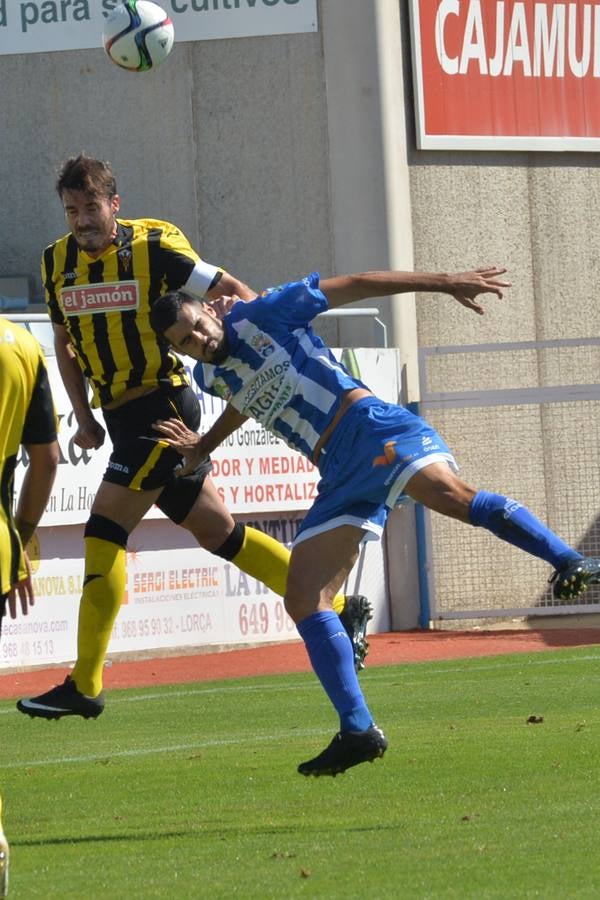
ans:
(101, 280)
(27, 419)
(118, 353)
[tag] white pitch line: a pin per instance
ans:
(198, 692)
(148, 751)
(518, 664)
(372, 676)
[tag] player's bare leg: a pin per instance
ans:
(318, 568)
(267, 560)
(439, 488)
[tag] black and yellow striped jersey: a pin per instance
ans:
(26, 417)
(105, 303)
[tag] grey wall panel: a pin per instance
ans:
(564, 195)
(464, 215)
(228, 140)
(62, 103)
(259, 117)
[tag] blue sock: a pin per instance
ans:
(512, 522)
(330, 651)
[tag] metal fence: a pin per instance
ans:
(531, 430)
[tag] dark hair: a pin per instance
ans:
(164, 312)
(92, 176)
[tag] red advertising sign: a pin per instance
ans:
(506, 74)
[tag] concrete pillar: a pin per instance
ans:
(371, 214)
(368, 162)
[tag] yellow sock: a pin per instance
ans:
(103, 590)
(267, 560)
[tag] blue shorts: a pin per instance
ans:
(365, 466)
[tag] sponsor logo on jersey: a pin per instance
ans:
(267, 406)
(271, 378)
(118, 467)
(221, 389)
(86, 299)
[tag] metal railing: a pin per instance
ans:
(363, 312)
(370, 312)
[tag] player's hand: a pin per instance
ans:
(223, 304)
(23, 590)
(185, 441)
(89, 435)
(466, 286)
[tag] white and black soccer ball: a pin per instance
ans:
(138, 35)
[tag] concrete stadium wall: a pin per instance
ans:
(227, 140)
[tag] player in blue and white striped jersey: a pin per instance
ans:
(265, 360)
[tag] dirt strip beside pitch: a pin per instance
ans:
(386, 649)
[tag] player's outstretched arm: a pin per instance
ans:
(463, 286)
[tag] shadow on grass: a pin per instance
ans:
(213, 832)
(100, 838)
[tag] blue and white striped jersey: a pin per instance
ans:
(279, 371)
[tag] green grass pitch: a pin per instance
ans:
(192, 792)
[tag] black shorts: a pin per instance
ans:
(142, 464)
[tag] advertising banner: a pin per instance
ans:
(175, 597)
(506, 75)
(39, 26)
(178, 597)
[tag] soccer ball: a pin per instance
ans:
(138, 35)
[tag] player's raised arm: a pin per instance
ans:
(228, 285)
(463, 286)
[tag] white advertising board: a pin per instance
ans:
(178, 598)
(40, 26)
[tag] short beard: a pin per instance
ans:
(222, 352)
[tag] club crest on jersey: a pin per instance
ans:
(262, 344)
(110, 296)
(124, 255)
